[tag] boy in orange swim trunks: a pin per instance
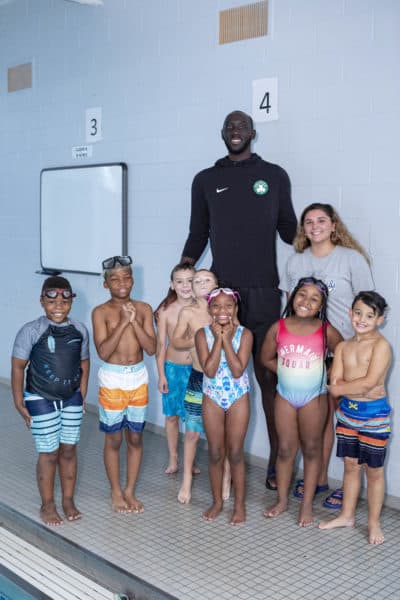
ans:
(123, 329)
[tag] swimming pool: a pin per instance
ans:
(13, 587)
(31, 574)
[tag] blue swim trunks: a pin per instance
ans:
(363, 430)
(54, 422)
(177, 377)
(193, 402)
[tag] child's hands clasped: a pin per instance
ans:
(128, 313)
(224, 333)
(229, 331)
(217, 330)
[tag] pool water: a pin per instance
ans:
(11, 590)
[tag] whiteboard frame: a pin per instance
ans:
(123, 250)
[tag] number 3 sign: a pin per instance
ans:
(93, 125)
(265, 99)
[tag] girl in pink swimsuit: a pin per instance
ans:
(295, 348)
(224, 350)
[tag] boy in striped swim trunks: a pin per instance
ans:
(123, 329)
(191, 319)
(55, 349)
(358, 374)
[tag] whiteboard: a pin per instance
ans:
(83, 217)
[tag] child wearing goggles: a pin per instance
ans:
(123, 330)
(54, 351)
(224, 349)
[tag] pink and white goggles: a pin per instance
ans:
(228, 291)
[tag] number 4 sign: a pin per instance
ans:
(265, 99)
(93, 125)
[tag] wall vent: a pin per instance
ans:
(243, 22)
(20, 77)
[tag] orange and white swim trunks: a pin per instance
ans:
(123, 397)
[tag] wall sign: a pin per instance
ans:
(82, 151)
(265, 99)
(93, 124)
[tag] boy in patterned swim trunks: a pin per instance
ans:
(191, 318)
(55, 348)
(358, 374)
(123, 329)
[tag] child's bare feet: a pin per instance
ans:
(134, 505)
(172, 468)
(70, 510)
(375, 534)
(185, 493)
(119, 504)
(305, 516)
(195, 470)
(49, 514)
(275, 510)
(340, 521)
(212, 513)
(238, 515)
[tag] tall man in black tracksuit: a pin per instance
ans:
(239, 204)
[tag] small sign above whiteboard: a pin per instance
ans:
(82, 151)
(83, 217)
(265, 100)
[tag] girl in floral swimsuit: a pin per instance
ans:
(224, 350)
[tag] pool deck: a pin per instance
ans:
(169, 551)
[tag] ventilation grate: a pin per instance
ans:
(243, 22)
(20, 77)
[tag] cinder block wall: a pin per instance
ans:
(165, 85)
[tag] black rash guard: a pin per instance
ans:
(239, 206)
(54, 352)
(54, 369)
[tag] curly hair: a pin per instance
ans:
(340, 237)
(56, 282)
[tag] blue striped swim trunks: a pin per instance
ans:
(363, 430)
(54, 422)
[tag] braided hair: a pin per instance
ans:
(322, 313)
